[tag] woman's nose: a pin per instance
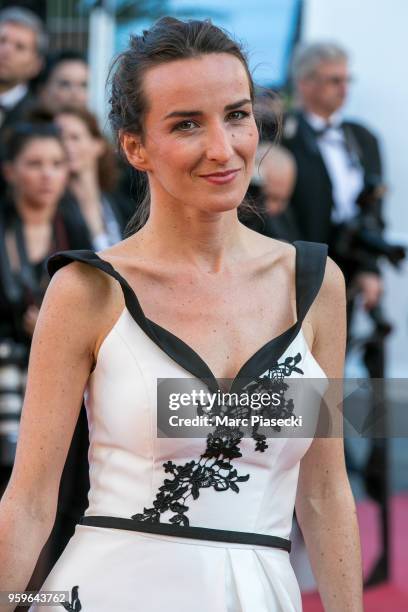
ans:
(48, 172)
(219, 146)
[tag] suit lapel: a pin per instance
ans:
(353, 144)
(309, 139)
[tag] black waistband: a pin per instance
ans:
(197, 533)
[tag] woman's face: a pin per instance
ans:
(67, 86)
(200, 135)
(38, 175)
(83, 150)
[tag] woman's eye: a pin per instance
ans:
(185, 126)
(238, 115)
(64, 84)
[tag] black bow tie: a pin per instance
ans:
(350, 143)
(319, 132)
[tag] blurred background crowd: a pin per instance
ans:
(319, 176)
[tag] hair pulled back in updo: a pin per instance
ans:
(169, 39)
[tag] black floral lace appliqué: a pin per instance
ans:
(214, 467)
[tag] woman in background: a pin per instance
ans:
(35, 224)
(93, 175)
(64, 81)
(33, 227)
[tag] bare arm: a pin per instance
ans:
(60, 361)
(325, 507)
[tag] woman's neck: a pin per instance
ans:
(213, 241)
(31, 215)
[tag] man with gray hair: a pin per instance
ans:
(337, 162)
(320, 73)
(23, 44)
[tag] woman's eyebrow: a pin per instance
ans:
(237, 104)
(184, 113)
(197, 113)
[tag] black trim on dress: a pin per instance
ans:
(196, 533)
(310, 266)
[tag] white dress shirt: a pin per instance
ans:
(10, 98)
(345, 172)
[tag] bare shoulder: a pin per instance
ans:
(325, 323)
(79, 284)
(83, 301)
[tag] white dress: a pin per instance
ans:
(168, 484)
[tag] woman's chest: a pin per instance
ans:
(225, 325)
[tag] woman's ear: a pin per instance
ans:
(134, 151)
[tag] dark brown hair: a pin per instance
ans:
(167, 40)
(107, 163)
(17, 137)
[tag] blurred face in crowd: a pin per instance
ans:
(38, 175)
(83, 150)
(19, 59)
(66, 86)
(277, 187)
(325, 91)
(200, 135)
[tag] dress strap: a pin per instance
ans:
(173, 346)
(63, 258)
(310, 267)
(60, 259)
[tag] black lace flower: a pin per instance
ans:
(260, 440)
(169, 466)
(214, 468)
(75, 605)
(223, 442)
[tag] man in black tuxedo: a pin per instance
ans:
(23, 43)
(339, 162)
(335, 160)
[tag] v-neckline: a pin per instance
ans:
(184, 355)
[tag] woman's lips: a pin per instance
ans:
(220, 178)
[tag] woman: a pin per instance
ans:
(93, 176)
(32, 228)
(64, 81)
(181, 524)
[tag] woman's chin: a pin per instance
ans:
(223, 202)
(219, 207)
